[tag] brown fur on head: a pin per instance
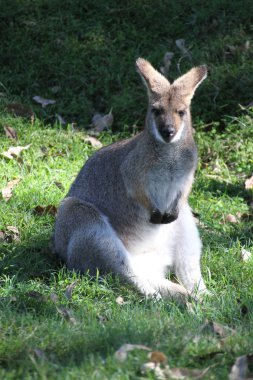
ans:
(169, 103)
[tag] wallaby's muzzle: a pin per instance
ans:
(167, 132)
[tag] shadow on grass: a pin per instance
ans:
(29, 260)
(232, 190)
(85, 51)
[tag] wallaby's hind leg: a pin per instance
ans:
(86, 241)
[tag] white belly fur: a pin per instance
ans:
(152, 254)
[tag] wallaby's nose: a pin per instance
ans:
(167, 132)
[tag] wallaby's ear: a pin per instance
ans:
(186, 85)
(156, 83)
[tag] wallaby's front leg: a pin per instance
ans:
(188, 252)
(169, 216)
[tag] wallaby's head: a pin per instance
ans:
(169, 104)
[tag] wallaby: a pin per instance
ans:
(127, 211)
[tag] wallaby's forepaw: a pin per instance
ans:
(158, 218)
(169, 218)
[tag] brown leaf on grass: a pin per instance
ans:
(15, 151)
(10, 132)
(95, 143)
(44, 102)
(59, 185)
(239, 368)
(19, 109)
(249, 183)
(69, 290)
(42, 210)
(7, 191)
(231, 218)
(245, 255)
(66, 314)
(121, 353)
(180, 43)
(101, 122)
(167, 62)
(157, 357)
(11, 234)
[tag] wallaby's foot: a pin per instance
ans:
(158, 218)
(169, 289)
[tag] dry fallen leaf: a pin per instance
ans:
(121, 353)
(249, 183)
(66, 314)
(95, 143)
(20, 110)
(7, 191)
(59, 185)
(10, 132)
(239, 368)
(15, 151)
(120, 300)
(167, 62)
(230, 218)
(2, 236)
(101, 122)
(44, 102)
(13, 233)
(180, 43)
(10, 235)
(42, 210)
(69, 290)
(157, 357)
(245, 255)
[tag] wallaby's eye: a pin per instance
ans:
(157, 111)
(181, 113)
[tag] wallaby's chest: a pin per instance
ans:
(168, 179)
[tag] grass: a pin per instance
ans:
(88, 49)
